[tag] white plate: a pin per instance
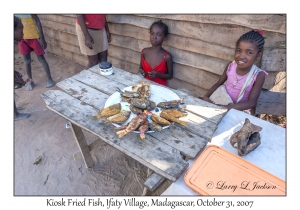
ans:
(158, 94)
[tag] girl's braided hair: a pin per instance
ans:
(161, 24)
(254, 37)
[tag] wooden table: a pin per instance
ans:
(165, 153)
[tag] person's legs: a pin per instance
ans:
(103, 56)
(19, 116)
(93, 60)
(27, 60)
(43, 61)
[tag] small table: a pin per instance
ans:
(270, 155)
(165, 153)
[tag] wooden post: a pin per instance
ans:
(82, 144)
(146, 191)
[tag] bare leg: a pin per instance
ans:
(103, 56)
(19, 116)
(93, 60)
(43, 61)
(27, 60)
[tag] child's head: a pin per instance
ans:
(255, 37)
(18, 29)
(248, 49)
(162, 25)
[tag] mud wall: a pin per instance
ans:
(201, 45)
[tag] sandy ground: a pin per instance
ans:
(45, 134)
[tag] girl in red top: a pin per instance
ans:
(156, 63)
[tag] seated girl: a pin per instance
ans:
(243, 80)
(157, 63)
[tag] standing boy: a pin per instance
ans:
(33, 40)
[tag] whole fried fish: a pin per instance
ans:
(128, 94)
(151, 106)
(175, 113)
(171, 118)
(125, 99)
(143, 128)
(145, 90)
(141, 103)
(118, 118)
(170, 104)
(135, 110)
(108, 111)
(159, 120)
(155, 127)
(133, 124)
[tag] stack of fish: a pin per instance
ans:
(141, 105)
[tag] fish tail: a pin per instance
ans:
(96, 117)
(142, 135)
(182, 123)
(121, 133)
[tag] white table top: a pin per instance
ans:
(270, 155)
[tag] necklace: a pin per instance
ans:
(236, 80)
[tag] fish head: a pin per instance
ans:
(242, 137)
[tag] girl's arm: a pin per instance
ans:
(107, 31)
(40, 29)
(169, 72)
(141, 70)
(220, 82)
(88, 38)
(254, 94)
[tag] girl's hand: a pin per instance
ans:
(89, 41)
(152, 74)
(205, 98)
(142, 72)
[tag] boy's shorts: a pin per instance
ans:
(28, 45)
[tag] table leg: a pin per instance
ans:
(82, 144)
(146, 191)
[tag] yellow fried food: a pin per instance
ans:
(173, 119)
(175, 113)
(108, 111)
(159, 120)
(118, 118)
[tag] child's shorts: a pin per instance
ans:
(99, 37)
(28, 45)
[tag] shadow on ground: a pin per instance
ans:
(45, 134)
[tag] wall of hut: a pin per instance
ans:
(201, 45)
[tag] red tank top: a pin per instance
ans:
(161, 68)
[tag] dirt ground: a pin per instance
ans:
(45, 134)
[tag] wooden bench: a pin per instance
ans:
(270, 102)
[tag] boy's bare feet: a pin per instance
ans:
(30, 86)
(21, 116)
(50, 83)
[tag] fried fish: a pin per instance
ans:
(118, 118)
(171, 118)
(108, 111)
(159, 120)
(170, 104)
